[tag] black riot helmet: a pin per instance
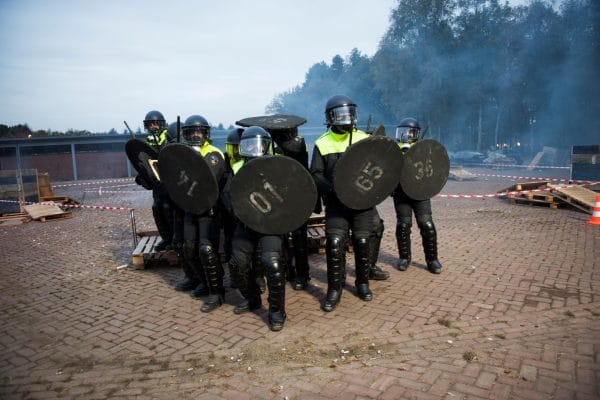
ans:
(232, 143)
(196, 130)
(172, 130)
(340, 112)
(408, 131)
(255, 142)
(155, 122)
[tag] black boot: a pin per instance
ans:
(300, 242)
(336, 271)
(276, 284)
(189, 282)
(403, 241)
(363, 266)
(163, 217)
(253, 303)
(376, 273)
(201, 289)
(243, 277)
(214, 278)
(429, 236)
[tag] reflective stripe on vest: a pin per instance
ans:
(331, 143)
(207, 148)
(162, 137)
(237, 165)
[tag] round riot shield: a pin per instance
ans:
(140, 154)
(367, 172)
(277, 121)
(425, 169)
(273, 195)
(189, 180)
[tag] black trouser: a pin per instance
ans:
(338, 219)
(200, 249)
(245, 243)
(297, 260)
(162, 211)
(405, 206)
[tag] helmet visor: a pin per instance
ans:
(344, 115)
(406, 134)
(255, 146)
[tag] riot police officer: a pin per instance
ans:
(341, 119)
(162, 206)
(201, 232)
(232, 156)
(407, 134)
(256, 142)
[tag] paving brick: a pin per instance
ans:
(81, 323)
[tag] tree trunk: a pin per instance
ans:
(479, 128)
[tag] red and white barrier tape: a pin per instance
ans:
(515, 166)
(533, 178)
(93, 183)
(502, 194)
(101, 190)
(108, 208)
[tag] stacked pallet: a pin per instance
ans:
(532, 193)
(550, 195)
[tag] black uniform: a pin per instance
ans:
(338, 220)
(246, 242)
(407, 133)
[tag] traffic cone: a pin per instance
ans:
(595, 220)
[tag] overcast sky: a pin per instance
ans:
(90, 65)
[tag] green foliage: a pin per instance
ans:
(478, 72)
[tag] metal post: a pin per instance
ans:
(74, 161)
(133, 227)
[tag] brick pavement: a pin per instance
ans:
(514, 315)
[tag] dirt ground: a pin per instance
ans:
(514, 314)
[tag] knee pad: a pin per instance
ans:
(336, 245)
(274, 266)
(424, 221)
(208, 255)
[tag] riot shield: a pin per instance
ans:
(189, 180)
(425, 169)
(275, 122)
(273, 195)
(367, 172)
(140, 154)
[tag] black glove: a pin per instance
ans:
(143, 182)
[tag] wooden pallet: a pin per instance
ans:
(46, 212)
(14, 218)
(144, 255)
(578, 196)
(315, 233)
(535, 201)
(542, 198)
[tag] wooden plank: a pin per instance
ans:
(38, 211)
(535, 161)
(525, 186)
(581, 194)
(523, 200)
(14, 219)
(578, 196)
(137, 258)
